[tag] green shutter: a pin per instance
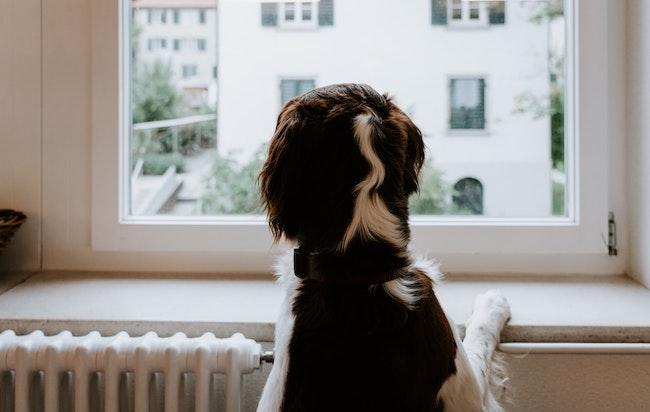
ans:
(326, 13)
(269, 14)
(439, 12)
(497, 12)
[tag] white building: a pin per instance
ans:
(456, 66)
(182, 33)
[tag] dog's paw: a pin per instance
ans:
(494, 303)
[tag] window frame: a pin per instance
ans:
(468, 131)
(465, 244)
(465, 21)
(298, 22)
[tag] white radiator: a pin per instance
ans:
(81, 361)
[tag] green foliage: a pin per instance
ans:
(233, 189)
(158, 163)
(550, 9)
(433, 197)
(154, 94)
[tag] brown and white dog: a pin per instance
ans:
(360, 328)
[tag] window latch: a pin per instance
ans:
(611, 235)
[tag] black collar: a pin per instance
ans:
(305, 266)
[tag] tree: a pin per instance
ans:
(233, 189)
(154, 95)
(553, 104)
(434, 194)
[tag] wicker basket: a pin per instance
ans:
(10, 221)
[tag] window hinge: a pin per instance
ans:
(611, 237)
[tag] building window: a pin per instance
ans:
(156, 44)
(468, 196)
(190, 70)
(464, 13)
(289, 11)
(467, 103)
(306, 11)
(290, 88)
(190, 44)
(158, 16)
(177, 16)
(202, 16)
(306, 14)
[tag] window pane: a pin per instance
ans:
(467, 104)
(306, 11)
(489, 101)
(289, 11)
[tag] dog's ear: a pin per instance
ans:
(279, 178)
(414, 157)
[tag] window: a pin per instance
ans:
(157, 44)
(306, 11)
(468, 196)
(177, 16)
(467, 103)
(528, 64)
(190, 45)
(289, 12)
(306, 14)
(290, 88)
(157, 16)
(190, 70)
(468, 13)
(202, 16)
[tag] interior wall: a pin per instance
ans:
(20, 123)
(553, 383)
(638, 137)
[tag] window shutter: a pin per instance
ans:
(269, 14)
(439, 12)
(497, 12)
(480, 110)
(326, 13)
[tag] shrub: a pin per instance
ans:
(158, 163)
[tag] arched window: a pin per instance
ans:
(468, 196)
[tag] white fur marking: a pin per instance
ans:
(473, 386)
(273, 393)
(408, 291)
(371, 218)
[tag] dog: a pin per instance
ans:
(360, 328)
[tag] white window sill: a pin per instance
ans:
(584, 309)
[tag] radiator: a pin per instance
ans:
(94, 368)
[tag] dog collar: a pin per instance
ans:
(306, 267)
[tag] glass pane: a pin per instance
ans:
(289, 11)
(489, 101)
(306, 11)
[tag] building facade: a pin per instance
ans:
(182, 34)
(458, 68)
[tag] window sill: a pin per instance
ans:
(545, 309)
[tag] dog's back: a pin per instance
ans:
(355, 349)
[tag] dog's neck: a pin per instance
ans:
(362, 264)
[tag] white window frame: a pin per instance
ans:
(297, 22)
(465, 21)
(574, 244)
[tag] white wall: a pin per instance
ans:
(394, 47)
(20, 127)
(638, 137)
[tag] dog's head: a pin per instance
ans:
(341, 165)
